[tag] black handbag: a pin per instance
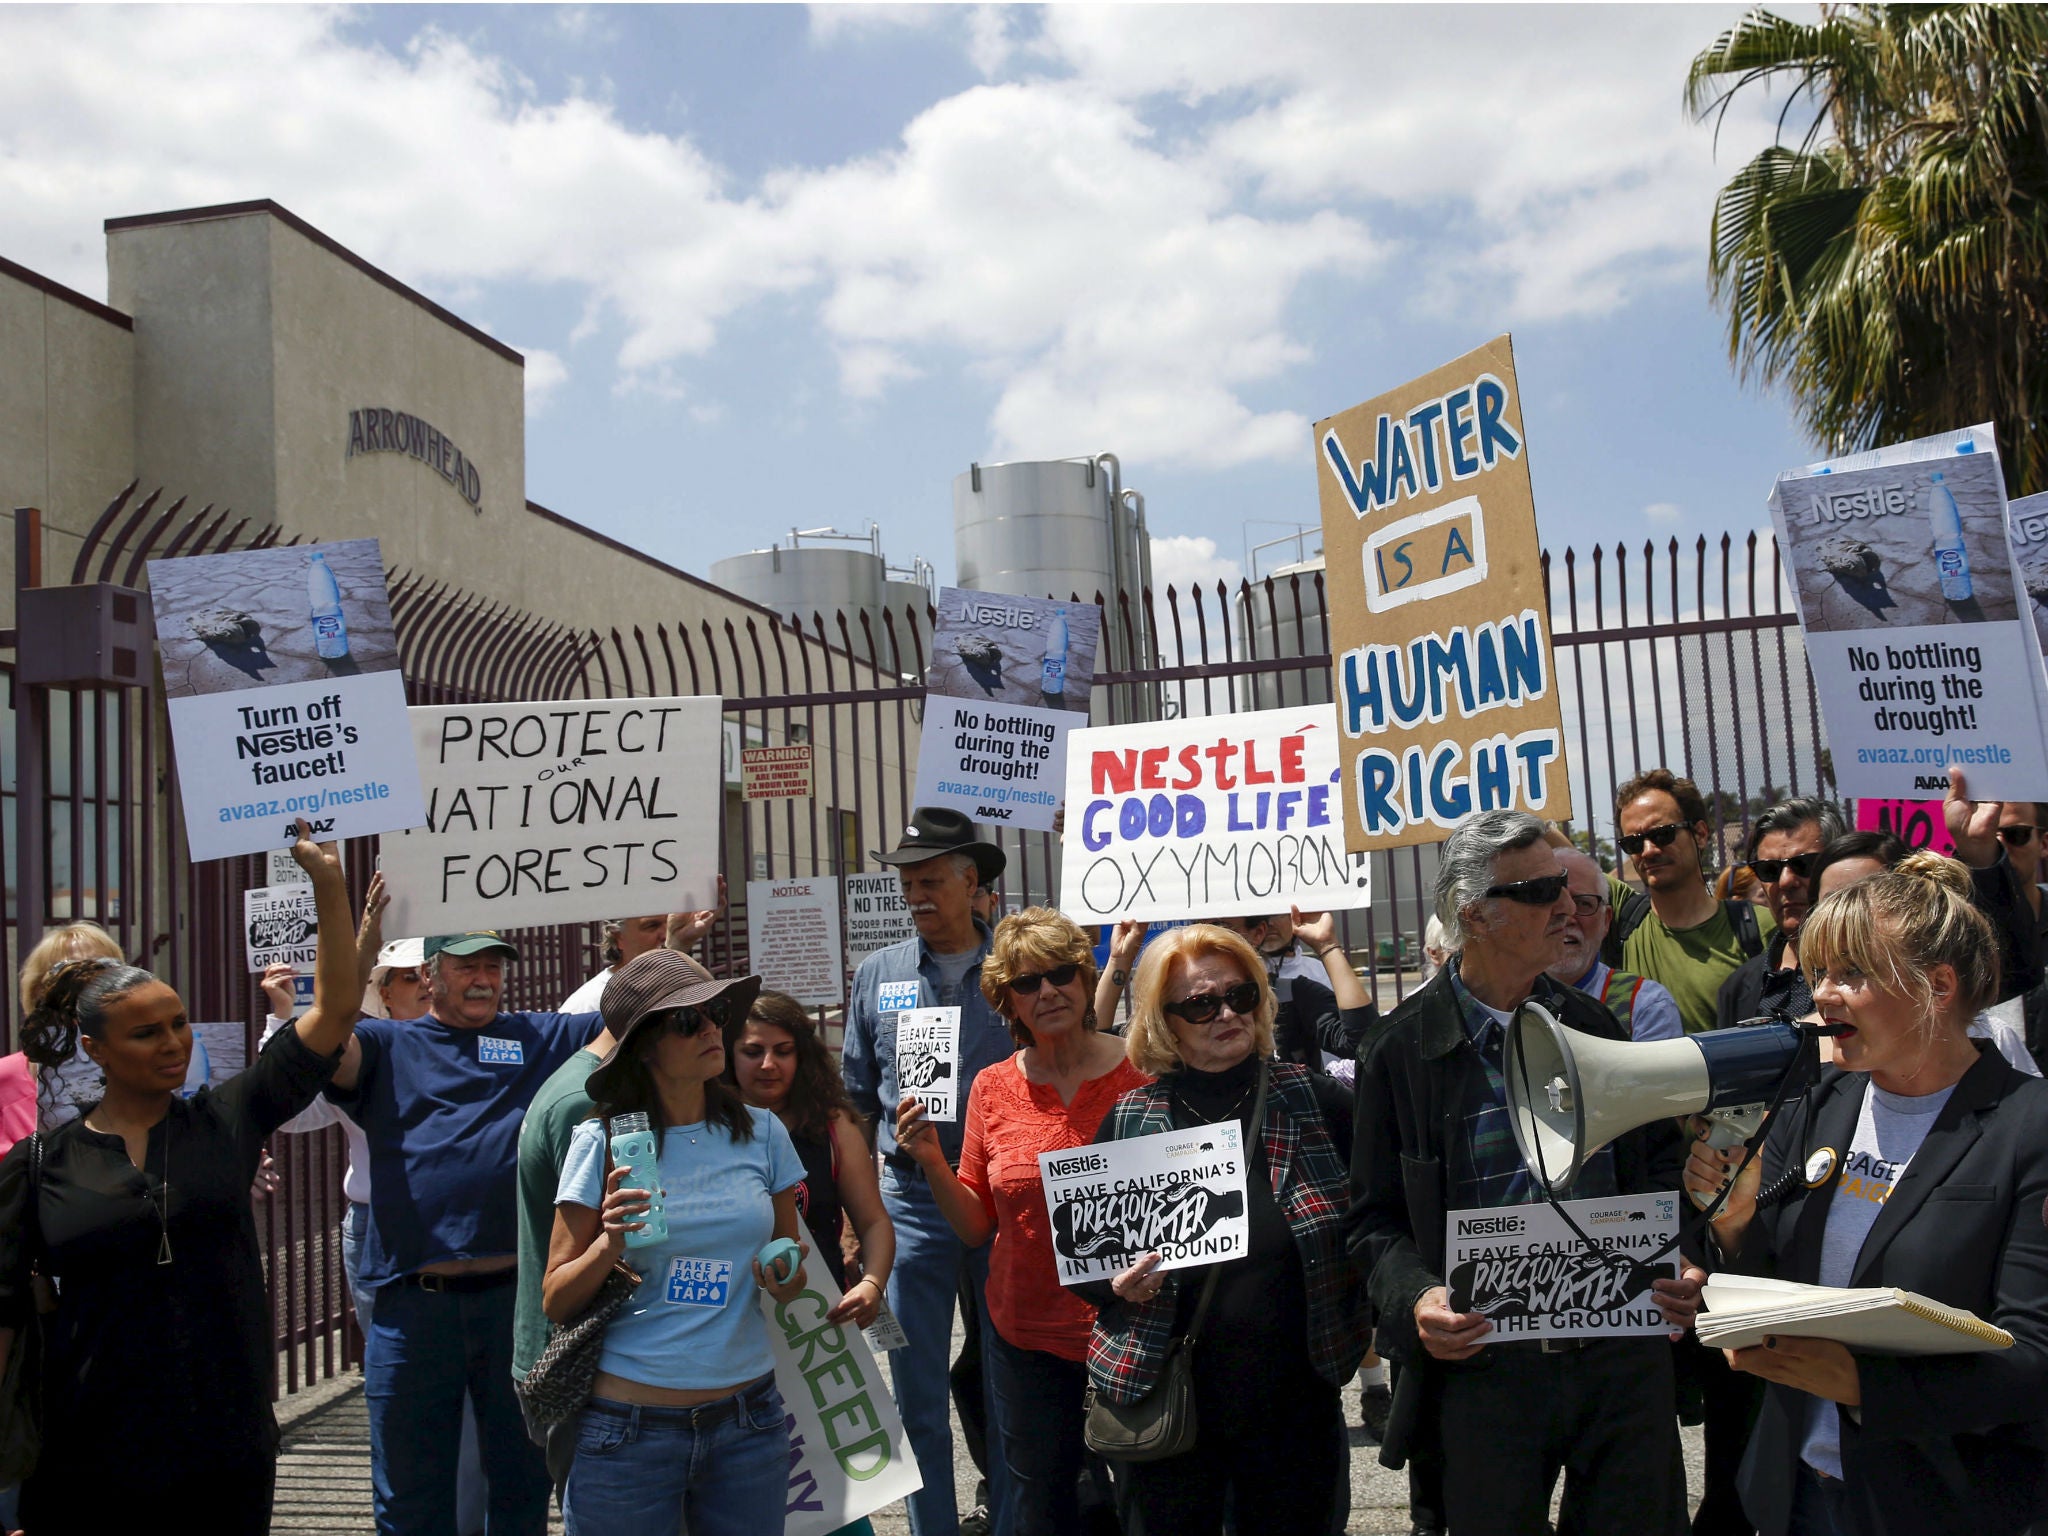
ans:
(1162, 1424)
(559, 1384)
(21, 1388)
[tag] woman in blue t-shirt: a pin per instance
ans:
(683, 1421)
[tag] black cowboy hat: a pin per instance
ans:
(934, 830)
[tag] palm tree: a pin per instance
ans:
(1891, 268)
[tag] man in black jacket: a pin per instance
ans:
(1504, 1417)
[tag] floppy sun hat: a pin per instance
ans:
(654, 983)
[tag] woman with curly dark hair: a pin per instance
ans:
(139, 1211)
(777, 1061)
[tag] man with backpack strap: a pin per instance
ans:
(1679, 935)
(1642, 1007)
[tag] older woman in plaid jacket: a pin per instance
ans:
(1285, 1327)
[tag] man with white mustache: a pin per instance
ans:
(440, 1100)
(942, 864)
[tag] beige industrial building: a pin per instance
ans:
(247, 360)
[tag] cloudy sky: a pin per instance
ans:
(773, 266)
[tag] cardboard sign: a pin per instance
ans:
(1529, 1272)
(1009, 677)
(1211, 816)
(1917, 823)
(777, 773)
(1438, 623)
(848, 1455)
(563, 811)
(281, 679)
(279, 926)
(876, 914)
(793, 939)
(928, 1059)
(1180, 1194)
(1909, 595)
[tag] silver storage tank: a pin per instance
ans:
(808, 581)
(1056, 528)
(1266, 628)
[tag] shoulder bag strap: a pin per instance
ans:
(1251, 1144)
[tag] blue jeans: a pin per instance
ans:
(1038, 1424)
(426, 1355)
(923, 1288)
(642, 1471)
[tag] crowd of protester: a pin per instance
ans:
(488, 1217)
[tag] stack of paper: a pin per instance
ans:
(1742, 1310)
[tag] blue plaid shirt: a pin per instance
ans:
(1486, 1165)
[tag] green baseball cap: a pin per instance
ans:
(469, 944)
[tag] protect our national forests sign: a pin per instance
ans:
(1533, 1277)
(848, 1454)
(1918, 623)
(559, 811)
(1439, 631)
(1209, 816)
(281, 678)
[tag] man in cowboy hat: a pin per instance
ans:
(440, 1100)
(942, 863)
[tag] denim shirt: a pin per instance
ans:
(868, 1059)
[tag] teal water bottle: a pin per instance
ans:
(634, 1149)
(1951, 560)
(323, 598)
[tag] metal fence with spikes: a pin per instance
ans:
(1689, 658)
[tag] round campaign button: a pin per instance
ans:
(1819, 1166)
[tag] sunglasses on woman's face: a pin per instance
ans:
(1059, 976)
(2018, 835)
(1543, 891)
(684, 1021)
(1202, 1007)
(1664, 836)
(1768, 870)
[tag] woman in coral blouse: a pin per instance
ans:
(1052, 1095)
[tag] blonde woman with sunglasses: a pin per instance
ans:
(1053, 1094)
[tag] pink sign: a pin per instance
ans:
(1918, 823)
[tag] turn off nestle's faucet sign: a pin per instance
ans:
(378, 429)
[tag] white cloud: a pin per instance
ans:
(545, 373)
(1181, 562)
(1667, 512)
(1112, 234)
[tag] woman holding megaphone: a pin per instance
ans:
(1918, 1161)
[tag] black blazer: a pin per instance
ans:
(1947, 1443)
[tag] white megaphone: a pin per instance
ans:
(1571, 1093)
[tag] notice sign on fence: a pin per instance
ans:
(1918, 625)
(281, 679)
(279, 925)
(1438, 623)
(876, 915)
(777, 773)
(562, 811)
(1211, 816)
(1180, 1194)
(793, 939)
(848, 1455)
(1533, 1277)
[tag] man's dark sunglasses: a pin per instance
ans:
(1201, 1007)
(1543, 891)
(1059, 976)
(1664, 836)
(2018, 835)
(1768, 870)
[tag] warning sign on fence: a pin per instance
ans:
(777, 773)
